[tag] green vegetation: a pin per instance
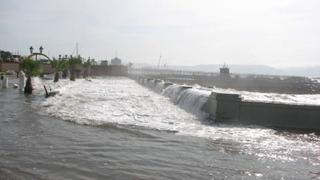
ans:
(5, 55)
(87, 67)
(31, 68)
(59, 66)
(75, 64)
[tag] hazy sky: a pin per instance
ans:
(185, 32)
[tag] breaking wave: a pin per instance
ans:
(123, 101)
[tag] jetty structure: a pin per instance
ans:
(232, 107)
(225, 79)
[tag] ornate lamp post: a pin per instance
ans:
(31, 49)
(41, 49)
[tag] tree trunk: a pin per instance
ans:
(64, 74)
(89, 71)
(28, 88)
(72, 76)
(85, 73)
(56, 77)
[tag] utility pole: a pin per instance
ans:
(159, 62)
(77, 49)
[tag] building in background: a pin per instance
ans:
(115, 61)
(104, 63)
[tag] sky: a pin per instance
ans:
(278, 33)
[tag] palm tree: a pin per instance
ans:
(58, 66)
(74, 65)
(31, 68)
(87, 68)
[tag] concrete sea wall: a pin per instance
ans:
(260, 83)
(16, 66)
(231, 108)
(280, 115)
(9, 66)
(226, 108)
(113, 70)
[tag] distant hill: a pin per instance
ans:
(304, 71)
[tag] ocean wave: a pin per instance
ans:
(123, 101)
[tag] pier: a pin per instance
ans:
(223, 79)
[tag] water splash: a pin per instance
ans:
(123, 101)
(188, 98)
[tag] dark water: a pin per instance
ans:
(34, 145)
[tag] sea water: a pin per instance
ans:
(115, 128)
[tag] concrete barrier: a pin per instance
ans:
(4, 81)
(46, 68)
(10, 66)
(280, 115)
(211, 106)
(230, 108)
(111, 70)
(223, 107)
(166, 84)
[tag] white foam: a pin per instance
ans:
(159, 87)
(123, 101)
(190, 99)
(299, 99)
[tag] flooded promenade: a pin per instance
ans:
(114, 128)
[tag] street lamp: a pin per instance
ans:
(41, 49)
(59, 56)
(31, 49)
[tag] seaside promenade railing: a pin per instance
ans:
(247, 82)
(188, 73)
(156, 71)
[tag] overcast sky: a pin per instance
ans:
(184, 32)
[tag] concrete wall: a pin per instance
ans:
(99, 70)
(230, 108)
(280, 115)
(9, 66)
(118, 70)
(109, 70)
(46, 68)
(223, 107)
(211, 106)
(14, 66)
(261, 83)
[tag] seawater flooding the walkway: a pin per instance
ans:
(113, 128)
